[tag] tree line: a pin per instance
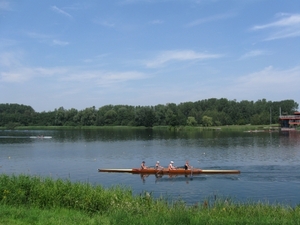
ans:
(208, 112)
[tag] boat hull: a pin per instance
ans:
(166, 171)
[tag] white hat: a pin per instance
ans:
(172, 162)
(157, 162)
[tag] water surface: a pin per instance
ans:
(269, 162)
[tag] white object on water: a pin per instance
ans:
(41, 137)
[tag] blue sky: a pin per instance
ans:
(79, 54)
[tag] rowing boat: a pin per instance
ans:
(178, 171)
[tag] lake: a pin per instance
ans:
(269, 161)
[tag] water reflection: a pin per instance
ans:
(182, 178)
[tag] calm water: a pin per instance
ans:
(269, 162)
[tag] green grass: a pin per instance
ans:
(10, 215)
(34, 200)
(178, 128)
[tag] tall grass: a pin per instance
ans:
(34, 200)
(48, 193)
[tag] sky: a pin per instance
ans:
(80, 54)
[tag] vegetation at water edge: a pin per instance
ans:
(34, 200)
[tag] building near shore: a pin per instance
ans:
(289, 122)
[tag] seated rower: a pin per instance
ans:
(157, 166)
(187, 166)
(171, 166)
(143, 166)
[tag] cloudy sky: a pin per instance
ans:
(79, 54)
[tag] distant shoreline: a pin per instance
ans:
(246, 128)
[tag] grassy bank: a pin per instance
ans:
(178, 128)
(34, 200)
(255, 128)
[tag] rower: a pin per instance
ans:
(143, 166)
(171, 166)
(187, 165)
(157, 166)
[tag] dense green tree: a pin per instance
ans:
(100, 119)
(213, 112)
(144, 116)
(207, 121)
(44, 118)
(16, 114)
(125, 115)
(110, 117)
(255, 119)
(186, 108)
(70, 117)
(191, 121)
(60, 116)
(160, 114)
(86, 117)
(171, 118)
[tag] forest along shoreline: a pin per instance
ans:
(203, 113)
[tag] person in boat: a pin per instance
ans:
(157, 166)
(187, 165)
(171, 166)
(143, 165)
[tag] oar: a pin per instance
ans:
(191, 173)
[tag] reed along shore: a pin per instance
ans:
(28, 199)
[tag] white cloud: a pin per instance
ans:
(183, 55)
(78, 75)
(253, 53)
(4, 43)
(60, 43)
(41, 38)
(270, 82)
(16, 76)
(38, 35)
(288, 21)
(104, 23)
(103, 78)
(78, 6)
(98, 60)
(4, 5)
(287, 26)
(117, 77)
(14, 71)
(50, 71)
(107, 24)
(156, 22)
(45, 38)
(270, 76)
(210, 19)
(22, 73)
(11, 59)
(60, 11)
